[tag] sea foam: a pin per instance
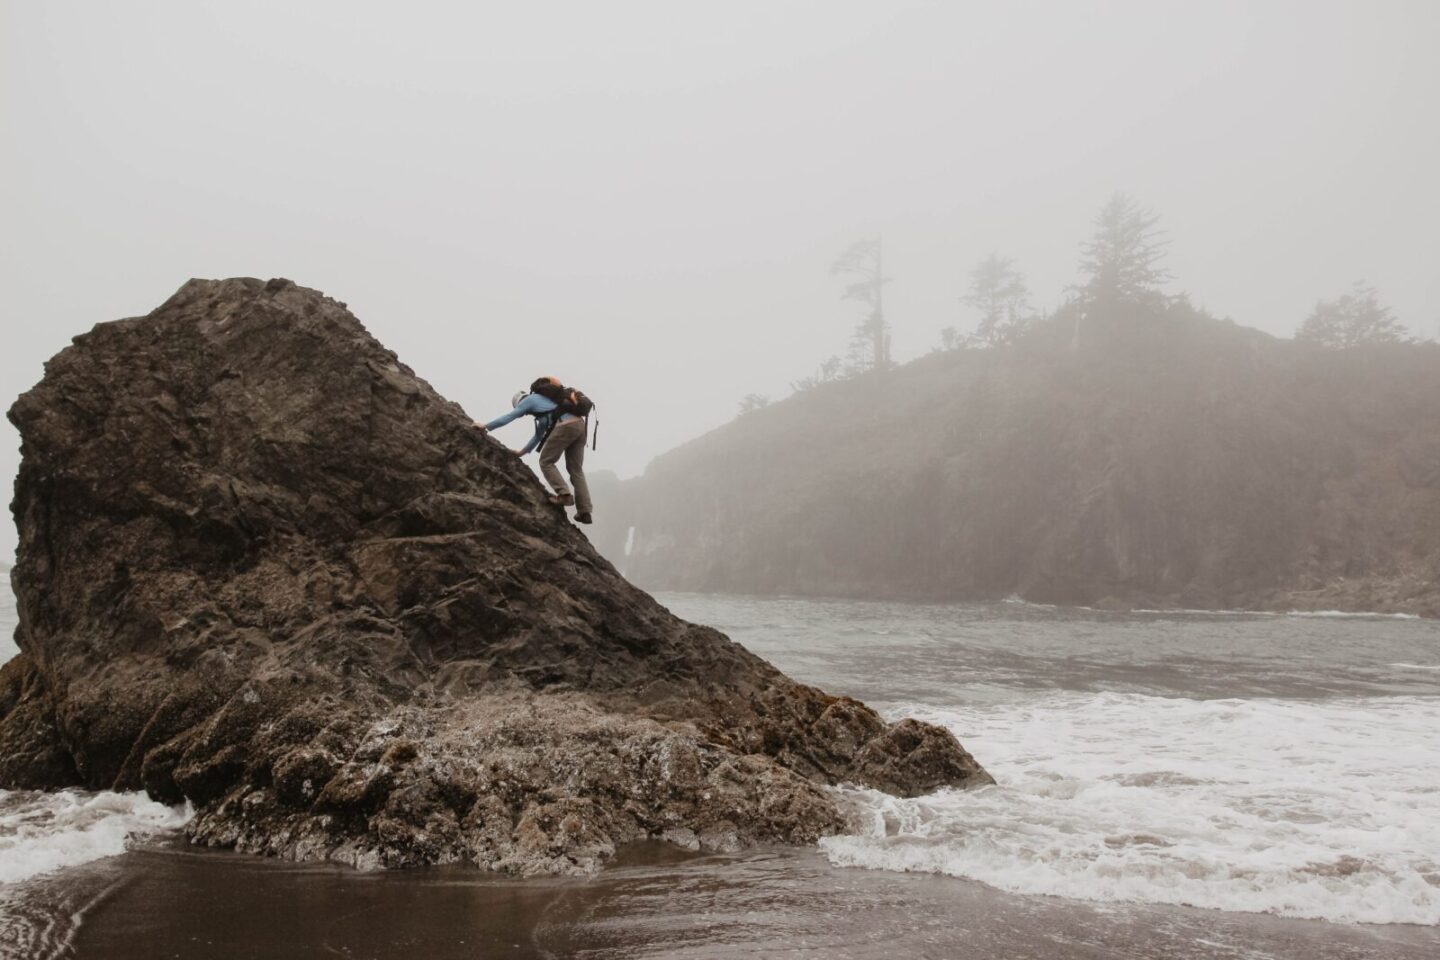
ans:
(41, 832)
(1322, 809)
(1352, 615)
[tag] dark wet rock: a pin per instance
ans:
(32, 755)
(265, 568)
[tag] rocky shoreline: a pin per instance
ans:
(264, 568)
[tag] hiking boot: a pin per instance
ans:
(583, 518)
(562, 500)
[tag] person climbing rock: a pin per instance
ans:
(561, 427)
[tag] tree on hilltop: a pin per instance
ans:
(1352, 319)
(1121, 260)
(863, 261)
(999, 292)
(828, 370)
(752, 402)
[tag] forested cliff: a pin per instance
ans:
(1141, 455)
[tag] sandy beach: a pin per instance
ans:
(168, 901)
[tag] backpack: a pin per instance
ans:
(566, 400)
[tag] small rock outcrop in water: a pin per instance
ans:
(265, 568)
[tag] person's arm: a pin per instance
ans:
(535, 440)
(526, 406)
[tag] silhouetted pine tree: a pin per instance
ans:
(999, 292)
(870, 342)
(1121, 259)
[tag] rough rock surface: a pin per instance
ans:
(264, 567)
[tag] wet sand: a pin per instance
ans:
(168, 901)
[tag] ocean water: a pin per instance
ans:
(1282, 764)
(1184, 784)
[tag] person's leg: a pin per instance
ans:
(554, 445)
(575, 466)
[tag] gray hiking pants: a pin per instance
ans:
(567, 438)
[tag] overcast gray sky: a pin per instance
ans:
(644, 198)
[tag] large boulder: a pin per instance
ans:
(266, 568)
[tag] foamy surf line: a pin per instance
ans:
(1352, 615)
(1325, 810)
(43, 832)
(1204, 612)
(1317, 614)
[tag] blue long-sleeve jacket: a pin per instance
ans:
(541, 408)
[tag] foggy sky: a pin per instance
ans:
(644, 198)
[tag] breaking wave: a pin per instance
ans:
(1320, 809)
(41, 832)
